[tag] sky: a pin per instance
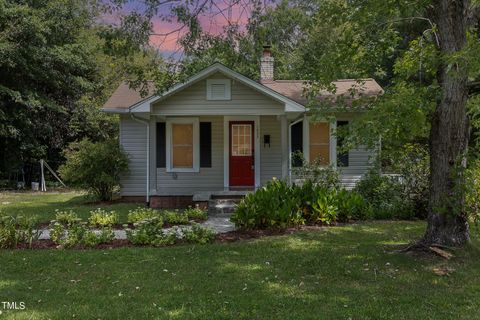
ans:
(167, 33)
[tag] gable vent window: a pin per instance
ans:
(218, 89)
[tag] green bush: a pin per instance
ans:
(95, 166)
(102, 218)
(18, 229)
(145, 231)
(66, 217)
(472, 196)
(93, 238)
(199, 234)
(175, 217)
(278, 205)
(142, 213)
(150, 232)
(196, 213)
(386, 195)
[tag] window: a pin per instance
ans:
(296, 143)
(218, 89)
(320, 143)
(241, 139)
(183, 145)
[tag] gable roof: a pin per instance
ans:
(289, 92)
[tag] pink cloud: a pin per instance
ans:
(213, 22)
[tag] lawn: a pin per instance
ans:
(44, 204)
(345, 272)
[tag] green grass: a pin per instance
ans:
(346, 272)
(44, 204)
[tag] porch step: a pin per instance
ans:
(222, 207)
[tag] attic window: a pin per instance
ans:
(218, 89)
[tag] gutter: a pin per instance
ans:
(147, 124)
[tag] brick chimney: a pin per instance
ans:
(266, 65)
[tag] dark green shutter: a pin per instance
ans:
(205, 144)
(342, 157)
(296, 140)
(161, 145)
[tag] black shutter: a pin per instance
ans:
(296, 140)
(205, 144)
(161, 145)
(342, 157)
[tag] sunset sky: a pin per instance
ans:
(213, 21)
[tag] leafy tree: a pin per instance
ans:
(96, 167)
(54, 77)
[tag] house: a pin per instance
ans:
(220, 131)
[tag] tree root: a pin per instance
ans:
(421, 246)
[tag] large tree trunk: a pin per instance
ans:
(447, 221)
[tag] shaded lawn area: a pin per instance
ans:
(339, 273)
(44, 204)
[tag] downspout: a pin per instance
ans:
(290, 147)
(147, 124)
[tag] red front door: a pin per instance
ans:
(242, 154)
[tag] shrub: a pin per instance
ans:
(93, 238)
(315, 172)
(18, 229)
(95, 166)
(150, 232)
(199, 234)
(196, 213)
(102, 218)
(66, 217)
(175, 217)
(145, 231)
(472, 196)
(386, 196)
(142, 213)
(280, 205)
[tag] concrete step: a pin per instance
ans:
(222, 207)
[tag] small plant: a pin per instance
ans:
(66, 217)
(175, 217)
(146, 231)
(18, 229)
(102, 218)
(196, 213)
(93, 238)
(199, 234)
(142, 213)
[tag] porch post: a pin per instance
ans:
(285, 144)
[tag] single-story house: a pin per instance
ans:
(220, 131)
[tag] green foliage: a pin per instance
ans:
(386, 196)
(142, 213)
(93, 238)
(198, 234)
(278, 205)
(17, 229)
(323, 176)
(195, 213)
(95, 166)
(175, 217)
(150, 232)
(66, 217)
(102, 218)
(472, 198)
(146, 231)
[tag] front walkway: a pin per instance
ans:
(217, 224)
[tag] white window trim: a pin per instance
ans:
(196, 144)
(228, 89)
(333, 140)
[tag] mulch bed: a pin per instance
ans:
(239, 235)
(231, 236)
